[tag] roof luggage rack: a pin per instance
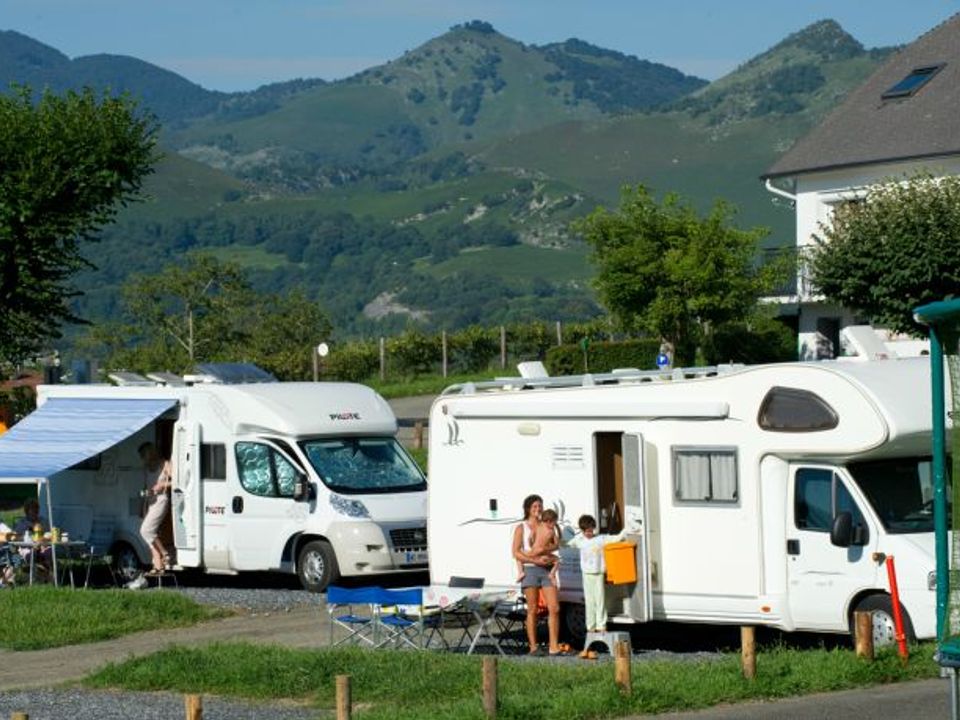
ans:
(624, 376)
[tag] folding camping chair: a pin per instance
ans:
(401, 615)
(354, 610)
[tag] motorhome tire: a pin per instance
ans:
(126, 562)
(574, 622)
(884, 629)
(317, 566)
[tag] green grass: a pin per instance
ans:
(391, 684)
(420, 457)
(39, 617)
(248, 256)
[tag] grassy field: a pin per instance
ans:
(39, 617)
(399, 684)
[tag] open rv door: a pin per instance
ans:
(187, 494)
(639, 605)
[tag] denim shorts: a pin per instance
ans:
(536, 576)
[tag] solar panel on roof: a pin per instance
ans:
(917, 78)
(235, 373)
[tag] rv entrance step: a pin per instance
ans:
(610, 639)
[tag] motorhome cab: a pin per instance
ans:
(289, 477)
(756, 495)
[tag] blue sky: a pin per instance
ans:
(240, 44)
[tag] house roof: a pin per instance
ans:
(867, 129)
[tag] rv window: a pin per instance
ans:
(263, 471)
(213, 461)
(705, 475)
(363, 465)
(819, 495)
(794, 410)
(900, 491)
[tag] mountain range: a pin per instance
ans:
(438, 188)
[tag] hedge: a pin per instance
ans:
(603, 357)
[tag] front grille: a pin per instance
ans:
(407, 539)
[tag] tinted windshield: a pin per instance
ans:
(363, 465)
(900, 491)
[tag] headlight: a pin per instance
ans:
(932, 580)
(350, 508)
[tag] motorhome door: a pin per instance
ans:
(187, 494)
(822, 576)
(639, 605)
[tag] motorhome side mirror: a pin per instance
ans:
(301, 489)
(841, 532)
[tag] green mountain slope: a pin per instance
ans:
(441, 185)
(470, 84)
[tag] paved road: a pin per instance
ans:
(409, 410)
(927, 699)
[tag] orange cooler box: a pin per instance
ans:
(621, 560)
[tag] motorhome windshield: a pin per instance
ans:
(363, 465)
(900, 491)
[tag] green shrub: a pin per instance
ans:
(603, 357)
(530, 341)
(473, 348)
(352, 362)
(414, 352)
(761, 340)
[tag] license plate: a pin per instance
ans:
(415, 558)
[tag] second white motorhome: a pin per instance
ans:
(289, 477)
(756, 495)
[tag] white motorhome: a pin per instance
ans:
(289, 477)
(756, 495)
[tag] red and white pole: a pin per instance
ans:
(897, 613)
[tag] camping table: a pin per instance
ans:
(481, 604)
(67, 546)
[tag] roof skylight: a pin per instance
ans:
(912, 83)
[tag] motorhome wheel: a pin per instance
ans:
(884, 629)
(126, 563)
(317, 566)
(574, 622)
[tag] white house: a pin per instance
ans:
(903, 120)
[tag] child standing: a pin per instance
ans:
(546, 542)
(592, 570)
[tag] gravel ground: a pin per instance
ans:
(110, 705)
(254, 600)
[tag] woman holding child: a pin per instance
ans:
(536, 557)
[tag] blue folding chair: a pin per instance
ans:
(401, 615)
(354, 610)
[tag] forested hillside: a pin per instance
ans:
(438, 188)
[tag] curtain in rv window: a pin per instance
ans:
(705, 475)
(265, 472)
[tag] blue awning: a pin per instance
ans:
(66, 431)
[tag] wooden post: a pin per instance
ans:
(503, 347)
(559, 334)
(193, 704)
(490, 687)
(316, 363)
(621, 667)
(443, 350)
(344, 703)
(418, 435)
(863, 632)
(383, 359)
(748, 652)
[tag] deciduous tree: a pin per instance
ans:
(665, 270)
(897, 248)
(67, 164)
